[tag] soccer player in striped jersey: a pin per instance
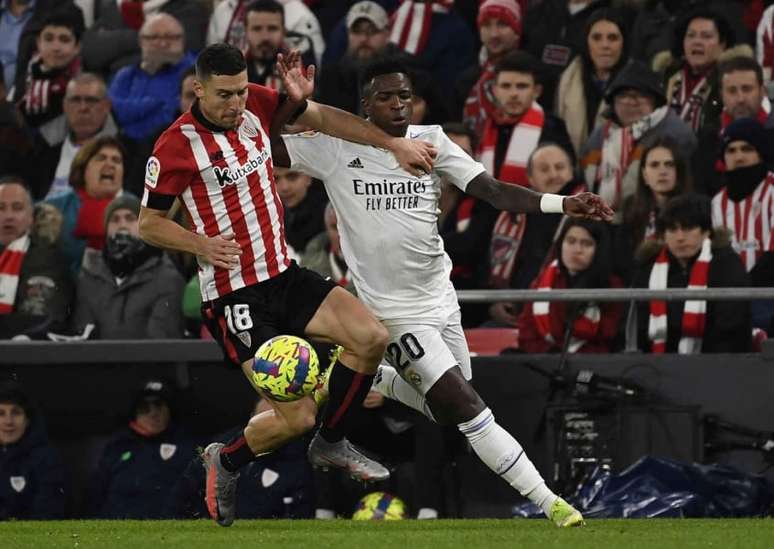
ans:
(217, 160)
(389, 236)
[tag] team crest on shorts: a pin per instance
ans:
(18, 483)
(414, 378)
(269, 477)
(166, 451)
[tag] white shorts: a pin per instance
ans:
(422, 353)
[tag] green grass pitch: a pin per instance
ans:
(408, 534)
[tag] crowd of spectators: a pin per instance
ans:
(662, 107)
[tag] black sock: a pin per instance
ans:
(236, 454)
(346, 391)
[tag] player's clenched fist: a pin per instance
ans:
(221, 251)
(588, 206)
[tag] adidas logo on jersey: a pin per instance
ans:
(356, 163)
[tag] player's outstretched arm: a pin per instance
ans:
(515, 198)
(156, 229)
(414, 156)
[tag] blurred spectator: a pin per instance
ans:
(32, 477)
(276, 485)
(582, 86)
(137, 152)
(145, 96)
(465, 222)
(745, 206)
(227, 24)
(429, 100)
(86, 116)
(663, 174)
(554, 32)
(763, 309)
(701, 40)
(368, 33)
(611, 157)
(518, 123)
(323, 253)
(112, 41)
(499, 28)
(96, 177)
(691, 253)
(37, 290)
(141, 463)
(51, 68)
(764, 45)
(15, 138)
(654, 28)
(265, 34)
(583, 260)
(304, 201)
(131, 291)
(743, 96)
(520, 243)
(435, 35)
(20, 25)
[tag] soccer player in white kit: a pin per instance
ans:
(389, 236)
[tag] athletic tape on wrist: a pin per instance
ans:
(552, 203)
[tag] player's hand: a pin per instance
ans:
(503, 312)
(413, 155)
(297, 81)
(588, 206)
(374, 399)
(221, 251)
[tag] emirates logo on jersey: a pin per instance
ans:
(227, 176)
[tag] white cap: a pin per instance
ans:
(368, 10)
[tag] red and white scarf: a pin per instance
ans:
(689, 96)
(412, 21)
(45, 91)
(765, 43)
(504, 246)
(750, 220)
(481, 103)
(617, 148)
(235, 34)
(694, 313)
(524, 139)
(585, 326)
(11, 259)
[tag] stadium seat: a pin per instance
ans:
(491, 341)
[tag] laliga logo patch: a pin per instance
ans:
(18, 483)
(152, 170)
(167, 451)
(269, 477)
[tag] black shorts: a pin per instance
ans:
(242, 320)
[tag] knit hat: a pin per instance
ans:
(505, 10)
(126, 201)
(12, 392)
(748, 130)
(636, 75)
(155, 388)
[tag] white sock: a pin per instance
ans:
(388, 382)
(505, 456)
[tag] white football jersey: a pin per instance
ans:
(387, 218)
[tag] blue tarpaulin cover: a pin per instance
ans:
(654, 487)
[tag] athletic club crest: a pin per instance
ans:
(248, 130)
(167, 450)
(18, 483)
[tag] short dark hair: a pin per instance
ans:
(63, 19)
(16, 179)
(725, 32)
(687, 210)
(12, 392)
(458, 128)
(520, 61)
(219, 59)
(380, 66)
(190, 71)
(88, 151)
(270, 6)
(598, 273)
(740, 63)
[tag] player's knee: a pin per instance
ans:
(301, 422)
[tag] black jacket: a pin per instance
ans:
(32, 477)
(306, 220)
(728, 323)
(135, 475)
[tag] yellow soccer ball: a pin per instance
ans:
(286, 368)
(379, 506)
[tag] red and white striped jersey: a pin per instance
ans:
(750, 220)
(225, 181)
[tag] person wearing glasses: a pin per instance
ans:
(638, 112)
(146, 95)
